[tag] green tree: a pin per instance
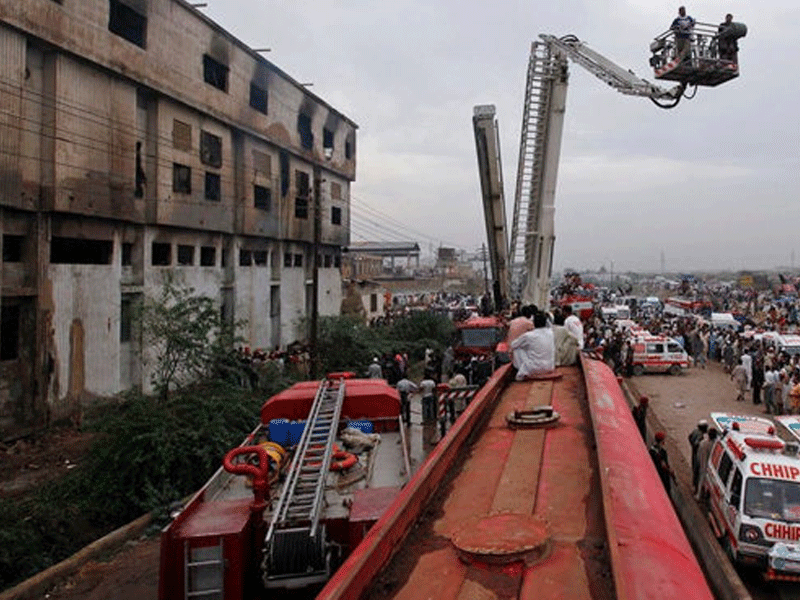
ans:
(186, 337)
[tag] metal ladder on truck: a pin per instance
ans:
(296, 554)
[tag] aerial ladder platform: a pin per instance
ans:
(530, 251)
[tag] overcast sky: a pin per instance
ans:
(713, 183)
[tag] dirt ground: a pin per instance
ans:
(132, 573)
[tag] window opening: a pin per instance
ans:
(12, 248)
(74, 251)
(208, 256)
(262, 197)
(304, 129)
(298, 260)
(327, 143)
(301, 194)
(213, 186)
(127, 254)
(260, 258)
(210, 149)
(215, 73)
(126, 318)
(181, 179)
(245, 258)
(126, 22)
(162, 254)
(258, 98)
(336, 215)
(287, 259)
(185, 255)
(140, 178)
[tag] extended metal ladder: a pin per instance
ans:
(295, 542)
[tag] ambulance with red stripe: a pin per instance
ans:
(657, 354)
(752, 485)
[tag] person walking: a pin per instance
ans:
(739, 377)
(697, 435)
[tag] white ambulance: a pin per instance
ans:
(752, 486)
(657, 354)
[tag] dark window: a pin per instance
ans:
(301, 194)
(301, 208)
(736, 488)
(245, 258)
(328, 261)
(73, 251)
(126, 22)
(373, 302)
(181, 179)
(327, 143)
(336, 215)
(12, 248)
(210, 149)
(258, 98)
(262, 197)
(212, 186)
(185, 255)
(287, 259)
(348, 150)
(127, 254)
(139, 176)
(337, 261)
(9, 340)
(208, 256)
(215, 73)
(725, 468)
(304, 129)
(260, 258)
(223, 259)
(126, 318)
(162, 254)
(298, 260)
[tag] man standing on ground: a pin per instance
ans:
(697, 435)
(739, 377)
(659, 455)
(640, 417)
(406, 387)
(703, 452)
(427, 388)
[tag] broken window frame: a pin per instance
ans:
(215, 73)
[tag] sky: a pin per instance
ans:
(713, 184)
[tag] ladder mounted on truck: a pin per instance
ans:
(296, 547)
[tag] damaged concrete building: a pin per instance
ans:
(139, 141)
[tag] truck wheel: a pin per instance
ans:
(638, 370)
(675, 370)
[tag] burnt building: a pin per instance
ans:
(140, 141)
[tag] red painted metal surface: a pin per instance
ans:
(604, 512)
(651, 556)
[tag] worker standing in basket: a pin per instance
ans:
(683, 27)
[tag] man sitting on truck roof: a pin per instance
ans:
(534, 352)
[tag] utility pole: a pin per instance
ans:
(313, 351)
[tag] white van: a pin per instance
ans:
(752, 487)
(658, 354)
(725, 321)
(788, 343)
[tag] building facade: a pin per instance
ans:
(140, 141)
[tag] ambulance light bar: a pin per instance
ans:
(764, 444)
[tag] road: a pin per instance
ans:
(678, 403)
